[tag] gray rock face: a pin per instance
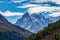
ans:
(35, 22)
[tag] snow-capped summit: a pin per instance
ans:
(35, 22)
(25, 21)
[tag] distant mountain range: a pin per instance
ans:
(35, 22)
(9, 31)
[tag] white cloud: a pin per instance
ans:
(8, 13)
(35, 8)
(56, 14)
(18, 1)
(39, 1)
(56, 1)
(27, 6)
(38, 9)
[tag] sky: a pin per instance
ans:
(15, 9)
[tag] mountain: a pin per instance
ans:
(35, 22)
(51, 32)
(24, 21)
(9, 31)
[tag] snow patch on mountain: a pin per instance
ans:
(36, 22)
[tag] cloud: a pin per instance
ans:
(39, 9)
(18, 1)
(27, 6)
(56, 1)
(34, 8)
(55, 14)
(40, 1)
(8, 13)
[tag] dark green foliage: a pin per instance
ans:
(57, 35)
(47, 31)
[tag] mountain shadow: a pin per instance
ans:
(9, 31)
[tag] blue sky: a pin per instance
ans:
(14, 9)
(9, 5)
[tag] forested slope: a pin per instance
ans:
(52, 32)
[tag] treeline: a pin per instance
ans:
(53, 30)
